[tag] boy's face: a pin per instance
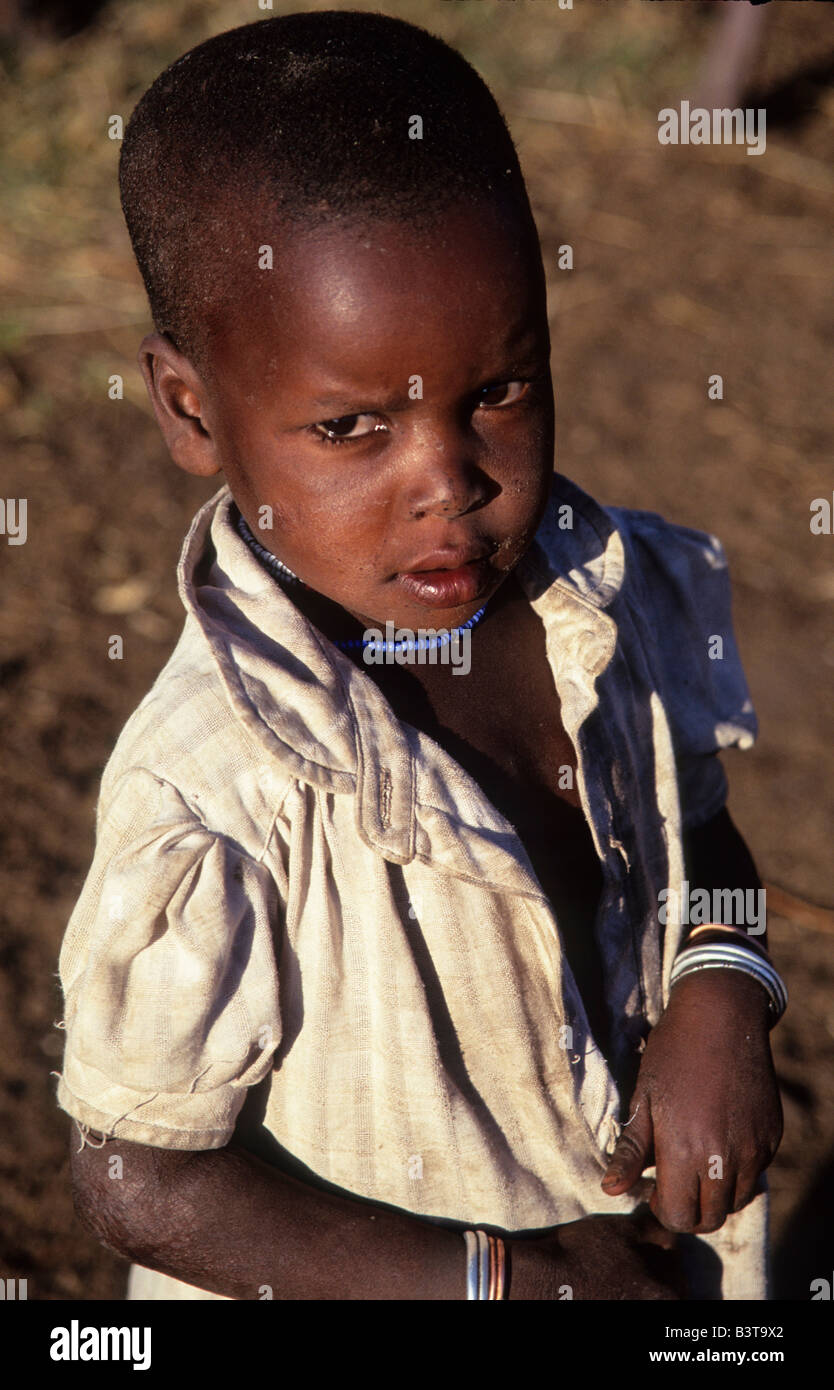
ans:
(427, 360)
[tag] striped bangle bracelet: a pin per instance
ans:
(717, 955)
(485, 1265)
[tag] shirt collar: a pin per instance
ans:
(306, 704)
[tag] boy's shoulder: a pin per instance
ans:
(603, 552)
(671, 598)
(247, 702)
(185, 760)
(667, 589)
(177, 724)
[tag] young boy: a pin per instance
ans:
(371, 956)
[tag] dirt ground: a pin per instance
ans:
(687, 262)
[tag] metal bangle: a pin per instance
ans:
(472, 1264)
(732, 955)
(717, 955)
(738, 956)
(493, 1268)
(485, 1265)
(499, 1268)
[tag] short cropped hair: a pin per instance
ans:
(309, 116)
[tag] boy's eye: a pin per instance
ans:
(345, 427)
(511, 391)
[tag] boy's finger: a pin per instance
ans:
(747, 1186)
(632, 1153)
(717, 1196)
(676, 1202)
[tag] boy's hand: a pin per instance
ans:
(706, 1104)
(600, 1257)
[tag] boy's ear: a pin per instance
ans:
(178, 397)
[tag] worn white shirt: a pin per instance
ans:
(291, 886)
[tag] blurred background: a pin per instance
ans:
(688, 261)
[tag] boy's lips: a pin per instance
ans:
(448, 587)
(446, 560)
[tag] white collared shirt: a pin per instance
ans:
(293, 887)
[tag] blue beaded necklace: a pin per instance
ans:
(284, 574)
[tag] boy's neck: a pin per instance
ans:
(337, 624)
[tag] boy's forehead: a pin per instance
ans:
(354, 286)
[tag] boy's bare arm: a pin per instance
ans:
(225, 1221)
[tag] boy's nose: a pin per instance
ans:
(443, 477)
(448, 493)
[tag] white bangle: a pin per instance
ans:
(718, 955)
(485, 1265)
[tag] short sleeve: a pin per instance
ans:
(169, 976)
(679, 580)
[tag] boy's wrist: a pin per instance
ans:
(726, 990)
(729, 948)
